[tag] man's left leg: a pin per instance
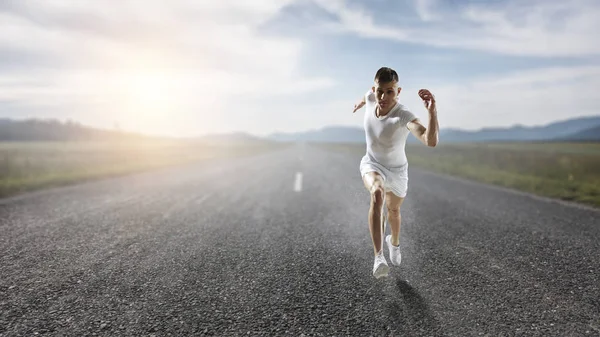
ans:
(393, 204)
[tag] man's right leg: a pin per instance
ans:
(374, 184)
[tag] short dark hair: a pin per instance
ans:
(386, 75)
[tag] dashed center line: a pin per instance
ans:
(298, 182)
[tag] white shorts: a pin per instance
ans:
(395, 180)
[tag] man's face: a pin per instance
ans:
(386, 93)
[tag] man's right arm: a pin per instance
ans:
(359, 105)
(361, 102)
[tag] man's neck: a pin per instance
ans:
(381, 113)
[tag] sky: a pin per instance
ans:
(185, 68)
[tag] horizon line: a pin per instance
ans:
(66, 120)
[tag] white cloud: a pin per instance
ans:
(209, 67)
(205, 54)
(548, 28)
(359, 21)
(524, 97)
(426, 10)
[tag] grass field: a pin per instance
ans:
(567, 171)
(34, 165)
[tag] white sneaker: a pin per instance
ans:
(395, 256)
(380, 267)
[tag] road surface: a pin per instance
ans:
(277, 244)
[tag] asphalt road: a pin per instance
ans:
(250, 247)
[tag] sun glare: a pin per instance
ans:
(150, 92)
(149, 99)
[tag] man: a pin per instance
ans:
(384, 167)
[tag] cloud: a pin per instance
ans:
(547, 28)
(539, 29)
(216, 66)
(523, 97)
(205, 53)
(426, 10)
(354, 19)
(136, 34)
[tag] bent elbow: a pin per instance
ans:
(432, 143)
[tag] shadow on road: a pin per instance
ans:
(412, 314)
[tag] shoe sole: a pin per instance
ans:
(382, 271)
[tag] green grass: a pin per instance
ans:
(27, 166)
(567, 171)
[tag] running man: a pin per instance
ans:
(384, 167)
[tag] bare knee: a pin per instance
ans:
(394, 211)
(377, 195)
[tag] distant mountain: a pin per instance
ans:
(584, 128)
(557, 130)
(591, 134)
(550, 131)
(54, 130)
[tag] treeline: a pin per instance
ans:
(55, 130)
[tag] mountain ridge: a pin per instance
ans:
(566, 129)
(575, 129)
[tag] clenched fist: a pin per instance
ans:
(428, 99)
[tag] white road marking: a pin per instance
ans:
(298, 182)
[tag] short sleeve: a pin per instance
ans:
(406, 116)
(369, 96)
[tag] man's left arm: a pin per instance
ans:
(427, 135)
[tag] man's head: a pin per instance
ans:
(386, 87)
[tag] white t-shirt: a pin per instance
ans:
(386, 136)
